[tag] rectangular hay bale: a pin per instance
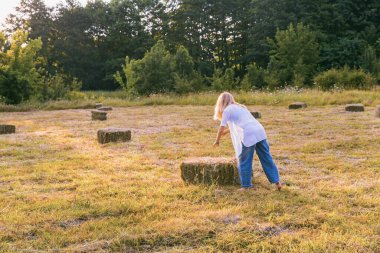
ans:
(297, 105)
(98, 115)
(354, 108)
(209, 170)
(113, 135)
(7, 129)
(256, 115)
(105, 108)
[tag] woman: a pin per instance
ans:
(247, 135)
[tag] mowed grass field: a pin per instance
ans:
(61, 191)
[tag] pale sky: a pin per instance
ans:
(8, 6)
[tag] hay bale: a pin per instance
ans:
(105, 108)
(98, 105)
(354, 108)
(257, 115)
(208, 170)
(297, 105)
(98, 115)
(377, 111)
(113, 135)
(7, 129)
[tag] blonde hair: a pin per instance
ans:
(225, 99)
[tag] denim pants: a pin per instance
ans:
(266, 160)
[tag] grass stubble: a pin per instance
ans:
(62, 191)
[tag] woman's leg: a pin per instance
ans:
(266, 160)
(245, 166)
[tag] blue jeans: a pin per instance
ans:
(266, 160)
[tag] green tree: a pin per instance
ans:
(20, 77)
(370, 61)
(126, 27)
(152, 74)
(294, 55)
(36, 18)
(157, 71)
(183, 63)
(127, 78)
(160, 71)
(214, 32)
(254, 78)
(224, 81)
(185, 77)
(76, 46)
(90, 42)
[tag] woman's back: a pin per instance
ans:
(251, 130)
(240, 115)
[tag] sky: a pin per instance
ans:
(8, 6)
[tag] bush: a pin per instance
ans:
(19, 76)
(344, 79)
(226, 81)
(184, 85)
(271, 79)
(57, 87)
(158, 72)
(183, 63)
(127, 78)
(13, 88)
(254, 78)
(76, 96)
(370, 62)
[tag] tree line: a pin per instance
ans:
(149, 46)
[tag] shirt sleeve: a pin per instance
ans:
(225, 118)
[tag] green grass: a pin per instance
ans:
(82, 100)
(62, 191)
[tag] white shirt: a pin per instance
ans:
(244, 128)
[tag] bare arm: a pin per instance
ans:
(222, 131)
(226, 131)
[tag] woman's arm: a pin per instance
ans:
(226, 131)
(222, 131)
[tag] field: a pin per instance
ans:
(61, 191)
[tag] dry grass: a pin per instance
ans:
(61, 190)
